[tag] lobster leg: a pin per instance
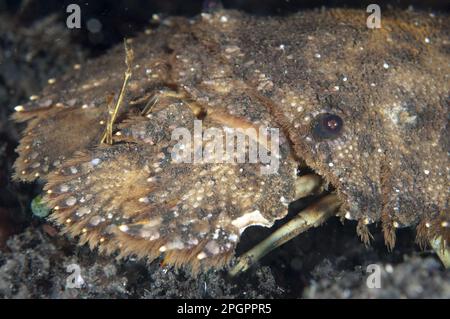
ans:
(312, 216)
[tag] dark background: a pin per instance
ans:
(328, 261)
(123, 18)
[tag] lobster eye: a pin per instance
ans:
(327, 126)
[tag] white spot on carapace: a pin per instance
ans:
(233, 237)
(232, 49)
(399, 115)
(250, 219)
(212, 247)
(95, 220)
(175, 244)
(284, 201)
(162, 248)
(95, 161)
(83, 211)
(71, 201)
(201, 256)
(35, 165)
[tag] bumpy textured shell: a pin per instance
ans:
(390, 164)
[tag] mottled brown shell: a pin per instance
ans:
(390, 86)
